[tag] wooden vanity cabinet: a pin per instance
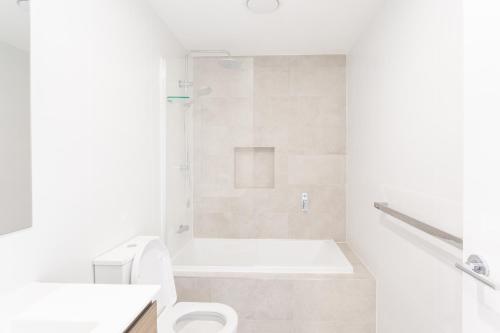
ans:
(146, 322)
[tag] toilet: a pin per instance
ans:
(145, 260)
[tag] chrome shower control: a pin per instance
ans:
(305, 202)
(183, 228)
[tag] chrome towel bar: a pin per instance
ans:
(438, 233)
(475, 265)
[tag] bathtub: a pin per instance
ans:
(235, 257)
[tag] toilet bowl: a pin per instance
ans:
(198, 318)
(145, 260)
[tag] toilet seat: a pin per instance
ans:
(191, 311)
(152, 265)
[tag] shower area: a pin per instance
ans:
(264, 164)
(269, 147)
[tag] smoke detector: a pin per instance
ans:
(263, 6)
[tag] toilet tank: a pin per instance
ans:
(115, 265)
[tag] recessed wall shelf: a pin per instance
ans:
(253, 167)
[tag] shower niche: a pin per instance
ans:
(254, 167)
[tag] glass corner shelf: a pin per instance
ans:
(183, 99)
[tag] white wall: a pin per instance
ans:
(405, 147)
(481, 305)
(15, 167)
(95, 135)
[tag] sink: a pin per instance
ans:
(30, 326)
(75, 308)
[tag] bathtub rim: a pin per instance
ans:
(258, 271)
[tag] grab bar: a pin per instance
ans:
(438, 233)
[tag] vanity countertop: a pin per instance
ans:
(58, 308)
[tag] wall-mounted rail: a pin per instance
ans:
(424, 227)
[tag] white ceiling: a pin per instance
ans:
(297, 27)
(14, 25)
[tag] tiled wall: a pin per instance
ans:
(338, 303)
(287, 108)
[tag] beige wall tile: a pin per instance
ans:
(294, 104)
(212, 225)
(244, 168)
(316, 169)
(271, 225)
(313, 225)
(224, 225)
(271, 136)
(264, 167)
(274, 111)
(270, 201)
(342, 301)
(318, 82)
(314, 61)
(215, 140)
(243, 204)
(318, 76)
(316, 140)
(332, 327)
(191, 289)
(277, 62)
(255, 299)
(271, 82)
(224, 111)
(207, 205)
(254, 167)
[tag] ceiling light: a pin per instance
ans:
(263, 6)
(24, 4)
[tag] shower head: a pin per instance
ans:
(230, 63)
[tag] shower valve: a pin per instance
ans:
(305, 202)
(183, 228)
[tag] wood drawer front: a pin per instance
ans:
(145, 322)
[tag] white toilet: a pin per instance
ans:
(145, 260)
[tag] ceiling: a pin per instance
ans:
(14, 25)
(297, 27)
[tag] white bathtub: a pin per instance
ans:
(212, 257)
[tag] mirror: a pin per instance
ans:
(15, 138)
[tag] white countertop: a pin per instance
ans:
(75, 308)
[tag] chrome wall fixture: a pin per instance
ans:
(186, 83)
(475, 266)
(438, 233)
(183, 228)
(304, 202)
